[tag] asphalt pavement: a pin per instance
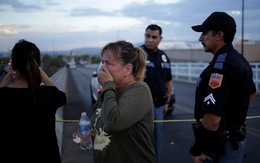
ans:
(175, 145)
(72, 153)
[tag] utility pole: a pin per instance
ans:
(53, 46)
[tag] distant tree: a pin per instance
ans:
(95, 59)
(52, 64)
(85, 57)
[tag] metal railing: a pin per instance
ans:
(190, 71)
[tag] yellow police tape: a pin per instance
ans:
(164, 121)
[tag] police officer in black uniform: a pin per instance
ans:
(159, 79)
(224, 91)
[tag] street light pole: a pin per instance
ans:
(242, 39)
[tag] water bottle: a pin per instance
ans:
(85, 132)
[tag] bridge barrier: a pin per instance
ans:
(190, 71)
(60, 79)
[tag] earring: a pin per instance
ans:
(14, 72)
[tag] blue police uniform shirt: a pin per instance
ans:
(224, 88)
(158, 72)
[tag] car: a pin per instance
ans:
(71, 64)
(95, 89)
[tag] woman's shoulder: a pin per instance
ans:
(5, 91)
(141, 87)
(142, 84)
(8, 94)
(45, 87)
(50, 93)
(11, 90)
(49, 89)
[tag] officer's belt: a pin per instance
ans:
(159, 101)
(237, 134)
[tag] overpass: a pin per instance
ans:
(182, 71)
(67, 80)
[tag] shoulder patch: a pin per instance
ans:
(164, 58)
(215, 80)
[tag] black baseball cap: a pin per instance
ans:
(219, 21)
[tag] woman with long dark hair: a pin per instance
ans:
(29, 100)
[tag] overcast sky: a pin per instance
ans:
(69, 24)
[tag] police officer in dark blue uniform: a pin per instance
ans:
(159, 79)
(224, 91)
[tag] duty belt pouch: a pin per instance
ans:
(238, 134)
(210, 140)
(241, 133)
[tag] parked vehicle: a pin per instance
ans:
(96, 89)
(4, 68)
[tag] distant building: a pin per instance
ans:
(251, 53)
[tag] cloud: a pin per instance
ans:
(18, 6)
(6, 30)
(92, 23)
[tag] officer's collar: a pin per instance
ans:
(149, 50)
(222, 50)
